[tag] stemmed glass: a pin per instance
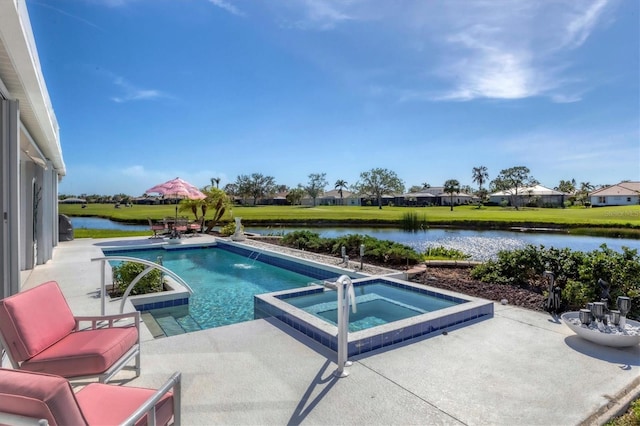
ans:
(597, 309)
(624, 306)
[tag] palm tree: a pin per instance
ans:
(425, 185)
(480, 176)
(451, 186)
(585, 188)
(216, 181)
(340, 185)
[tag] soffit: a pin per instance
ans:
(21, 74)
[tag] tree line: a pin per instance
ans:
(376, 183)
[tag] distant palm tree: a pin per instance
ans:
(216, 181)
(480, 176)
(585, 188)
(451, 186)
(340, 185)
(425, 185)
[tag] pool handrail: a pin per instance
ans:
(346, 298)
(151, 265)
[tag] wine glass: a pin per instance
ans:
(597, 309)
(624, 306)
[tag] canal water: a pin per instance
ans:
(479, 244)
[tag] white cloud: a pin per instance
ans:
(582, 24)
(498, 49)
(133, 93)
(314, 14)
(508, 53)
(227, 6)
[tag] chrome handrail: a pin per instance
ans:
(151, 266)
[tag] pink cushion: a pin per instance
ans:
(84, 353)
(108, 404)
(35, 319)
(39, 395)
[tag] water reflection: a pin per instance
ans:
(479, 244)
(99, 223)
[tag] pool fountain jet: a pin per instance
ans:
(346, 297)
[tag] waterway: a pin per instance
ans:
(479, 244)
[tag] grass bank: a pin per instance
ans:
(601, 221)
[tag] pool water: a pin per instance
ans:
(224, 285)
(389, 312)
(376, 304)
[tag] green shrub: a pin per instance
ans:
(125, 273)
(304, 240)
(376, 251)
(228, 229)
(440, 252)
(576, 273)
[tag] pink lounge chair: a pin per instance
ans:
(40, 333)
(40, 399)
(195, 227)
(158, 228)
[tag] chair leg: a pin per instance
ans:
(137, 368)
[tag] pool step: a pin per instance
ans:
(188, 323)
(172, 326)
(169, 325)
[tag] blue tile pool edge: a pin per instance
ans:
(316, 270)
(360, 342)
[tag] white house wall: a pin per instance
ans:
(615, 200)
(9, 197)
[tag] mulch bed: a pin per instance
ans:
(459, 280)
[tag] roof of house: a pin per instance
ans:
(418, 195)
(530, 190)
(620, 189)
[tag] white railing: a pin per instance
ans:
(346, 297)
(150, 266)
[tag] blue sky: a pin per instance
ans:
(147, 90)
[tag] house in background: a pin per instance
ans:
(444, 199)
(332, 198)
(417, 199)
(621, 194)
(536, 195)
(31, 161)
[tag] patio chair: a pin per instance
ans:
(181, 226)
(196, 226)
(158, 228)
(40, 333)
(44, 399)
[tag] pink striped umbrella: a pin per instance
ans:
(177, 188)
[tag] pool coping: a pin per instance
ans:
(360, 342)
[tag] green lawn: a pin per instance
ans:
(622, 217)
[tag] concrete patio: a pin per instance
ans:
(518, 368)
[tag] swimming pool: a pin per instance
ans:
(225, 278)
(400, 311)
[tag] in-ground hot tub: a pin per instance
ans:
(389, 312)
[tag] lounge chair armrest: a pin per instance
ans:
(109, 319)
(173, 384)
